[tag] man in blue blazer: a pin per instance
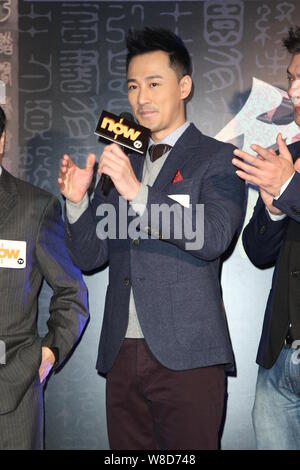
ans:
(164, 342)
(273, 237)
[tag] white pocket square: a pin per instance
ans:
(183, 199)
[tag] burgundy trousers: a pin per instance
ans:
(152, 407)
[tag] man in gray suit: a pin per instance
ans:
(32, 248)
(164, 341)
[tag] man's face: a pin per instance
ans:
(155, 93)
(294, 85)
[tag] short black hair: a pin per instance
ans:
(2, 121)
(292, 41)
(158, 39)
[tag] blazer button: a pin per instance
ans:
(136, 242)
(295, 273)
(69, 234)
(262, 230)
(126, 281)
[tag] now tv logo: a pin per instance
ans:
(7, 253)
(119, 128)
(123, 131)
(12, 254)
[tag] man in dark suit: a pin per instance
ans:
(272, 237)
(32, 247)
(164, 342)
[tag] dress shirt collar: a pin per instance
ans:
(172, 138)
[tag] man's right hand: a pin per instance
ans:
(268, 198)
(73, 181)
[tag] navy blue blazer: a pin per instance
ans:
(264, 241)
(176, 290)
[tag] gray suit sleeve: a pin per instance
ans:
(69, 305)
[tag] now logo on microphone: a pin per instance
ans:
(123, 131)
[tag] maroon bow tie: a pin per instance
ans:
(156, 151)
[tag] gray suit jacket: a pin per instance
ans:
(29, 214)
(176, 289)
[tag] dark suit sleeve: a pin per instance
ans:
(289, 201)
(88, 250)
(221, 193)
(69, 305)
(262, 237)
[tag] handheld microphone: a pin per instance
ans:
(124, 131)
(106, 182)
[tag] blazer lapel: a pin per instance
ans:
(184, 149)
(8, 195)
